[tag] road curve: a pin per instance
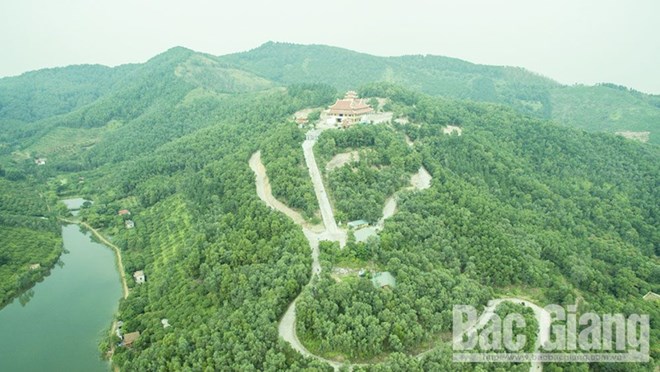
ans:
(287, 325)
(264, 192)
(542, 316)
(418, 181)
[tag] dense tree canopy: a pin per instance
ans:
(518, 206)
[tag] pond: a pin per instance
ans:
(57, 325)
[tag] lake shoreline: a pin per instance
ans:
(68, 314)
(102, 240)
(45, 272)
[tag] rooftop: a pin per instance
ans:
(129, 338)
(651, 297)
(350, 105)
(357, 223)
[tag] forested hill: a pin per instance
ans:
(518, 206)
(39, 94)
(607, 107)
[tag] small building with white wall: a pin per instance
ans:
(139, 277)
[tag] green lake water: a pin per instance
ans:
(60, 327)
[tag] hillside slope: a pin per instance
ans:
(517, 205)
(599, 108)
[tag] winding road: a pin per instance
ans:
(330, 231)
(287, 325)
(541, 315)
(418, 181)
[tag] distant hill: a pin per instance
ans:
(517, 206)
(56, 111)
(47, 93)
(598, 108)
(39, 94)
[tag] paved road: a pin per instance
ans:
(332, 232)
(287, 325)
(287, 330)
(541, 315)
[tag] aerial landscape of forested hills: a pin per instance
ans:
(532, 196)
(607, 107)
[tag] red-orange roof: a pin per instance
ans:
(123, 212)
(350, 107)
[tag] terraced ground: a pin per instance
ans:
(167, 234)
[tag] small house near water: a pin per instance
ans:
(130, 338)
(139, 277)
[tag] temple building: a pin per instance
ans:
(349, 110)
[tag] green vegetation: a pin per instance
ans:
(360, 322)
(29, 236)
(359, 189)
(283, 158)
(514, 203)
(531, 329)
(607, 107)
(517, 204)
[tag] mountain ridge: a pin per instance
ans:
(604, 107)
(518, 206)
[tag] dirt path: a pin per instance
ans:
(542, 317)
(122, 276)
(409, 142)
(264, 192)
(287, 325)
(388, 211)
(287, 330)
(418, 181)
(421, 180)
(120, 264)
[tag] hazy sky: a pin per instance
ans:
(572, 41)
